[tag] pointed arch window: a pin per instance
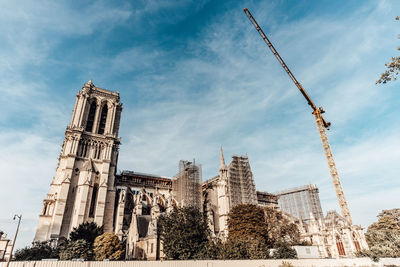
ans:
(93, 200)
(90, 120)
(103, 118)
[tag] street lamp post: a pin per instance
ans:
(15, 237)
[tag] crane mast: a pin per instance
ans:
(321, 124)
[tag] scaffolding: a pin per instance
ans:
(241, 183)
(301, 202)
(187, 186)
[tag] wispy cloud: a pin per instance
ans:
(220, 86)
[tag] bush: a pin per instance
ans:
(284, 251)
(280, 229)
(78, 249)
(87, 231)
(247, 222)
(38, 251)
(383, 238)
(108, 246)
(184, 233)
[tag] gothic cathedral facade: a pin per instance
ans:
(82, 189)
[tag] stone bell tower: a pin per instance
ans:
(83, 188)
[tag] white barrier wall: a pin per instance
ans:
(358, 262)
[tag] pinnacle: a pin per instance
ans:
(222, 160)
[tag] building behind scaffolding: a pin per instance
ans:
(187, 186)
(301, 202)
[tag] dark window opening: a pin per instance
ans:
(162, 208)
(90, 120)
(93, 201)
(103, 119)
(145, 209)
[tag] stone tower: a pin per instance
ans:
(83, 188)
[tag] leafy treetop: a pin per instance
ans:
(87, 231)
(184, 232)
(393, 68)
(108, 246)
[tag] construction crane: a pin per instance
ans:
(321, 124)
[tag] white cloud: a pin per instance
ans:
(229, 91)
(251, 106)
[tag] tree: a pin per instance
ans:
(383, 238)
(280, 229)
(393, 68)
(284, 251)
(246, 222)
(78, 249)
(38, 251)
(87, 231)
(394, 213)
(247, 233)
(253, 230)
(108, 246)
(185, 233)
(234, 250)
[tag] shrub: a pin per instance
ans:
(78, 249)
(38, 251)
(108, 246)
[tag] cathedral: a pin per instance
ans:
(87, 188)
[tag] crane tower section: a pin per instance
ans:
(321, 123)
(344, 208)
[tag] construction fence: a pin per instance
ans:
(207, 263)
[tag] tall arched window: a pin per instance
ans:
(93, 200)
(103, 118)
(90, 120)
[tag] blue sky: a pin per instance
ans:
(195, 75)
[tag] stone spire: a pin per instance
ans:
(222, 165)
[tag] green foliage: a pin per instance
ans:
(247, 233)
(211, 251)
(38, 251)
(284, 251)
(235, 250)
(184, 233)
(246, 223)
(393, 68)
(383, 238)
(253, 230)
(108, 246)
(87, 231)
(79, 246)
(280, 229)
(394, 213)
(78, 249)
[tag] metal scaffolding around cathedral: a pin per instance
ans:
(301, 202)
(187, 186)
(233, 186)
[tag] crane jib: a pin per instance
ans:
(321, 124)
(279, 58)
